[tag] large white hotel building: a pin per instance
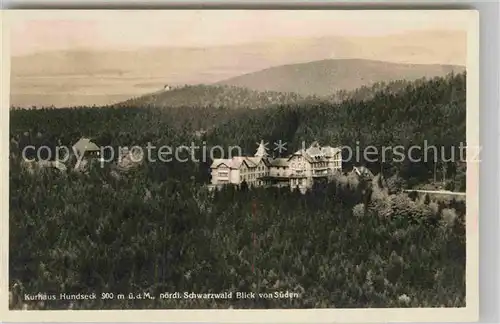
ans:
(298, 170)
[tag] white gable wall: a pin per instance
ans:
(235, 176)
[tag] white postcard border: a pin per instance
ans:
(468, 313)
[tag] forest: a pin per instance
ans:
(348, 243)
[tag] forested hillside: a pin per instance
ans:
(215, 96)
(350, 243)
(232, 97)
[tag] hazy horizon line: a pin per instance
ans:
(131, 48)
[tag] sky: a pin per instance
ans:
(39, 31)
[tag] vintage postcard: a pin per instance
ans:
(283, 166)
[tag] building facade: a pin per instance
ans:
(299, 170)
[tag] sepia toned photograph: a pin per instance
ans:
(237, 160)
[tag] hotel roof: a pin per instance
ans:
(315, 153)
(281, 162)
(236, 162)
(85, 145)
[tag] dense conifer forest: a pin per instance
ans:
(348, 243)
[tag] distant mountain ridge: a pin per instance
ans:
(243, 96)
(325, 77)
(84, 76)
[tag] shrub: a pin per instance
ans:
(395, 184)
(448, 216)
(358, 211)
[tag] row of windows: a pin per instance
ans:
(253, 176)
(320, 164)
(259, 168)
(263, 170)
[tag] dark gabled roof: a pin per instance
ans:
(279, 162)
(253, 161)
(302, 153)
(218, 162)
(314, 150)
(236, 162)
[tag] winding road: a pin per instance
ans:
(439, 192)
